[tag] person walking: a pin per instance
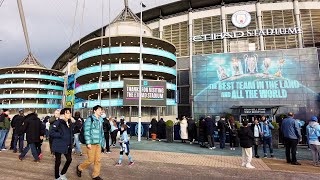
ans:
(114, 131)
(124, 144)
(94, 137)
(266, 128)
(184, 129)
(222, 127)
(106, 129)
(257, 134)
(192, 130)
(16, 124)
(78, 125)
(54, 118)
(292, 136)
(246, 141)
(32, 127)
(210, 132)
(233, 133)
(4, 128)
(62, 141)
(313, 134)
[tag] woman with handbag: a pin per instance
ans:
(256, 129)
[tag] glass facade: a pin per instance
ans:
(288, 78)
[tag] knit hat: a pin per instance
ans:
(314, 118)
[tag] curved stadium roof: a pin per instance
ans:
(182, 6)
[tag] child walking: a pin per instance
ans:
(246, 141)
(124, 144)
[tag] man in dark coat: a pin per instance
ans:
(192, 130)
(62, 141)
(222, 127)
(202, 132)
(210, 132)
(16, 125)
(161, 129)
(106, 129)
(32, 128)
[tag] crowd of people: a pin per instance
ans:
(65, 134)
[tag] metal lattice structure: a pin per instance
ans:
(31, 61)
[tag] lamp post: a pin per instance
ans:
(140, 73)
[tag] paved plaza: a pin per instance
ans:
(176, 163)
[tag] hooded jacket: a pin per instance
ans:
(93, 131)
(16, 123)
(246, 137)
(4, 121)
(313, 132)
(32, 127)
(62, 135)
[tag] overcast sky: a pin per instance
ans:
(49, 24)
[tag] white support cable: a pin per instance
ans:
(1, 2)
(24, 26)
(109, 19)
(101, 46)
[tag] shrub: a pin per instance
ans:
(237, 123)
(169, 123)
(275, 125)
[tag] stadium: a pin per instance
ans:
(220, 45)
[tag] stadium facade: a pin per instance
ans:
(241, 57)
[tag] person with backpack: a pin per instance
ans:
(78, 125)
(16, 124)
(4, 128)
(62, 141)
(313, 134)
(94, 139)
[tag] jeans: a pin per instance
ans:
(211, 141)
(33, 151)
(77, 142)
(58, 162)
(114, 137)
(233, 140)
(267, 141)
(291, 145)
(3, 138)
(16, 139)
(222, 137)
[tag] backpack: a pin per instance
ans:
(81, 135)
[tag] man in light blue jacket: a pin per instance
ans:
(313, 134)
(266, 128)
(94, 137)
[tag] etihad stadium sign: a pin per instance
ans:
(249, 33)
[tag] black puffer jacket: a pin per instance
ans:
(16, 123)
(154, 126)
(246, 137)
(32, 127)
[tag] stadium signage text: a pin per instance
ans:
(249, 33)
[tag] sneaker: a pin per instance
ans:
(15, 151)
(159, 140)
(249, 166)
(63, 177)
(243, 164)
(108, 152)
(190, 142)
(114, 145)
(20, 158)
(296, 163)
(210, 148)
(118, 164)
(234, 149)
(256, 156)
(80, 154)
(4, 149)
(213, 147)
(131, 163)
(231, 149)
(265, 156)
(78, 171)
(40, 156)
(97, 178)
